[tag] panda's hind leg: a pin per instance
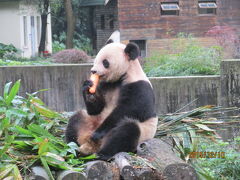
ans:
(79, 130)
(123, 138)
(72, 130)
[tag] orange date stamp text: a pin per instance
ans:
(207, 155)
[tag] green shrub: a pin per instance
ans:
(4, 62)
(227, 168)
(29, 135)
(58, 46)
(80, 42)
(190, 59)
(6, 49)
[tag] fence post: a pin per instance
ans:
(230, 83)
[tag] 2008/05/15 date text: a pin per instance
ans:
(207, 155)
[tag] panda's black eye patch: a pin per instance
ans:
(106, 63)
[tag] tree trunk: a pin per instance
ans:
(44, 16)
(70, 23)
(93, 33)
(42, 44)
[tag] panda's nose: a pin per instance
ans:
(93, 72)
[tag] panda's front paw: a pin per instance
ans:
(89, 97)
(96, 136)
(86, 86)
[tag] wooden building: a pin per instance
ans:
(153, 23)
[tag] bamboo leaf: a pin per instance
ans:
(73, 147)
(13, 92)
(37, 100)
(212, 122)
(6, 90)
(35, 93)
(46, 167)
(8, 142)
(45, 111)
(186, 141)
(204, 127)
(56, 161)
(16, 112)
(5, 171)
(24, 145)
(16, 173)
(194, 139)
(3, 109)
(40, 131)
(43, 147)
(21, 130)
(93, 156)
(9, 178)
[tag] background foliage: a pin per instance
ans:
(227, 168)
(81, 40)
(189, 58)
(5, 49)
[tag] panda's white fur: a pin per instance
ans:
(134, 71)
(82, 127)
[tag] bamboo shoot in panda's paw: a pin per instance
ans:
(95, 79)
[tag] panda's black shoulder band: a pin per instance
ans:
(132, 50)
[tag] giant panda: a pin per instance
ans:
(121, 114)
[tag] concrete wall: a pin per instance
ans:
(173, 93)
(64, 84)
(230, 83)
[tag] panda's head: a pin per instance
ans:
(113, 61)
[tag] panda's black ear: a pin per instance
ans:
(114, 38)
(109, 41)
(132, 51)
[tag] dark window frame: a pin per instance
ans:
(208, 10)
(142, 44)
(170, 10)
(102, 21)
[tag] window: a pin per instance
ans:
(171, 9)
(25, 31)
(102, 22)
(142, 46)
(207, 7)
(111, 21)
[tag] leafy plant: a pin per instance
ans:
(30, 134)
(4, 62)
(58, 46)
(220, 168)
(189, 129)
(80, 42)
(7, 49)
(189, 58)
